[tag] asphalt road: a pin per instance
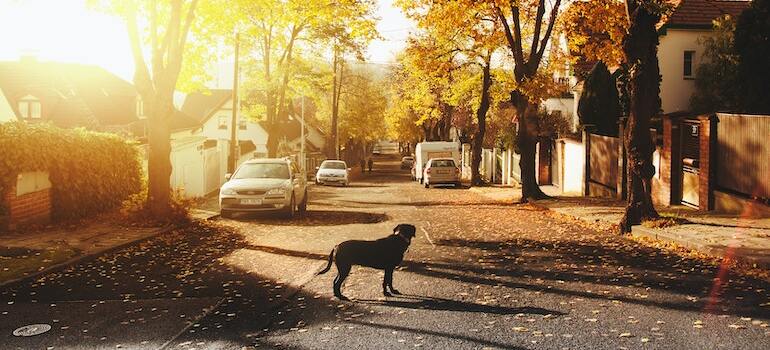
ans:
(479, 275)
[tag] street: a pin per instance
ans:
(479, 274)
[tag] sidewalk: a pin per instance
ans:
(742, 239)
(26, 253)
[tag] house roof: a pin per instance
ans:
(70, 94)
(291, 129)
(181, 121)
(699, 14)
(202, 105)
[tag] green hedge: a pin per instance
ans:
(90, 172)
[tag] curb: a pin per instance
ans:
(96, 253)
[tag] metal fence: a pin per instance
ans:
(743, 154)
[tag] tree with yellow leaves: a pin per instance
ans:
(594, 31)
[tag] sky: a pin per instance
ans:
(67, 31)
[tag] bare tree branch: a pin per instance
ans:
(551, 23)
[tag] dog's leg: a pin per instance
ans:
(388, 283)
(342, 273)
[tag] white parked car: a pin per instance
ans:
(264, 185)
(332, 172)
(441, 171)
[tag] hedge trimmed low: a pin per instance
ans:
(90, 172)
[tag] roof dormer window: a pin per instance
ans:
(29, 107)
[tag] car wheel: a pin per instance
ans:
(427, 185)
(303, 205)
(421, 180)
(291, 210)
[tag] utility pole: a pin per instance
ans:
(233, 159)
(302, 133)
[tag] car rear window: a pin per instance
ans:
(443, 163)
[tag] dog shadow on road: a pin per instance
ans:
(409, 301)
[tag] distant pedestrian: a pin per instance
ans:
(363, 165)
(371, 162)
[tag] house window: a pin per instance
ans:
(223, 122)
(242, 124)
(29, 108)
(688, 61)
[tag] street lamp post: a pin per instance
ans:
(233, 159)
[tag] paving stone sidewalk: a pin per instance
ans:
(740, 238)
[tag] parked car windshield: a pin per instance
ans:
(333, 165)
(262, 171)
(442, 163)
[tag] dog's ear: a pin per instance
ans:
(397, 229)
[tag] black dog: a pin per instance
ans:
(384, 253)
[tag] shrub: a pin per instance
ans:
(90, 172)
(752, 43)
(599, 103)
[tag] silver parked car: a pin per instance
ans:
(333, 172)
(441, 171)
(264, 185)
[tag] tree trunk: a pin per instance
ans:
(640, 47)
(481, 116)
(159, 159)
(526, 141)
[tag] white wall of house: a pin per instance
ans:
(6, 112)
(675, 88)
(253, 132)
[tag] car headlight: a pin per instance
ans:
(228, 191)
(276, 192)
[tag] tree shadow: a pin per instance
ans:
(409, 301)
(655, 270)
(315, 218)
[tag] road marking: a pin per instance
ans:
(427, 236)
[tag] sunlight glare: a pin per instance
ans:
(64, 31)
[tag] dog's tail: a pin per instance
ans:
(329, 265)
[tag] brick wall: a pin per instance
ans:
(706, 144)
(34, 207)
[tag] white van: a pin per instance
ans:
(424, 151)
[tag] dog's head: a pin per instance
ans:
(407, 231)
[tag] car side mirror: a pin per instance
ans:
(228, 176)
(349, 169)
(318, 167)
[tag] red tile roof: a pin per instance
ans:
(701, 13)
